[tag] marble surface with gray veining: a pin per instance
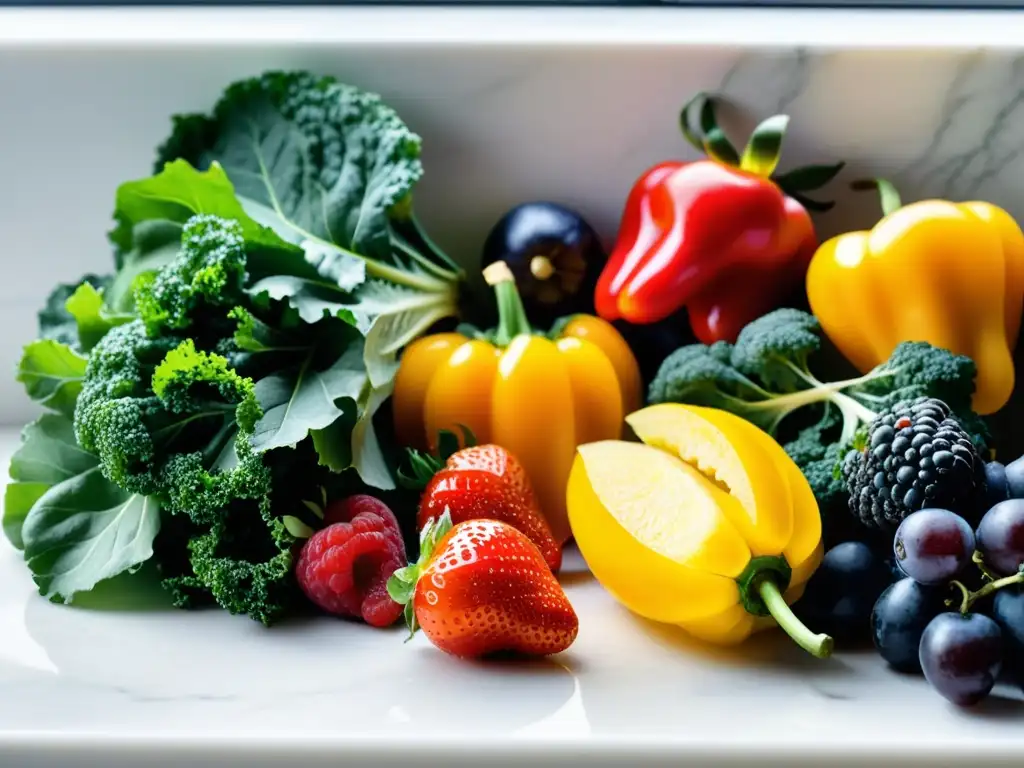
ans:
(500, 124)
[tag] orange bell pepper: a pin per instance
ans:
(538, 396)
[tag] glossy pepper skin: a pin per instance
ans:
(718, 236)
(950, 274)
(746, 568)
(536, 396)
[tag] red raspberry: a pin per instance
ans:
(344, 510)
(344, 567)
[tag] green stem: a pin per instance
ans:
(887, 193)
(970, 598)
(434, 248)
(979, 561)
(512, 320)
(402, 245)
(816, 645)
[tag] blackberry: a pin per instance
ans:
(916, 454)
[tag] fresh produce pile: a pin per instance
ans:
(284, 399)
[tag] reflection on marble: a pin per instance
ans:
(87, 687)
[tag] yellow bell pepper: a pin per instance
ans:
(536, 396)
(950, 274)
(707, 524)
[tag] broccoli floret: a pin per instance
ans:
(144, 401)
(116, 410)
(813, 443)
(704, 375)
(917, 369)
(208, 273)
(775, 349)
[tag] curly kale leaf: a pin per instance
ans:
(310, 156)
(330, 168)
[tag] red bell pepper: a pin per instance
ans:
(718, 236)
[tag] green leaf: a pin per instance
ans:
(55, 321)
(367, 457)
(85, 530)
(52, 374)
(150, 214)
(809, 177)
(763, 150)
(177, 193)
(75, 527)
(296, 527)
(92, 318)
(389, 315)
(309, 156)
(402, 584)
(254, 335)
(304, 399)
(312, 299)
(48, 455)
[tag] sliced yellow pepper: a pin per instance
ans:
(536, 396)
(707, 524)
(950, 274)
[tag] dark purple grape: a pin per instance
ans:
(1015, 478)
(1008, 613)
(933, 545)
(841, 593)
(1001, 537)
(961, 656)
(898, 621)
(996, 488)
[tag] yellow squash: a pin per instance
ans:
(951, 274)
(707, 524)
(536, 396)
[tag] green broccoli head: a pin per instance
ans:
(701, 375)
(917, 369)
(208, 273)
(144, 401)
(116, 409)
(775, 349)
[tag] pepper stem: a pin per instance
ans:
(887, 193)
(817, 645)
(541, 267)
(512, 319)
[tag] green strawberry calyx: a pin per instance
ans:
(401, 585)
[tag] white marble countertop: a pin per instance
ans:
(86, 688)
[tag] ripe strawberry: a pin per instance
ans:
(482, 587)
(344, 567)
(488, 482)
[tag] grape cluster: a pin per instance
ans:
(960, 645)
